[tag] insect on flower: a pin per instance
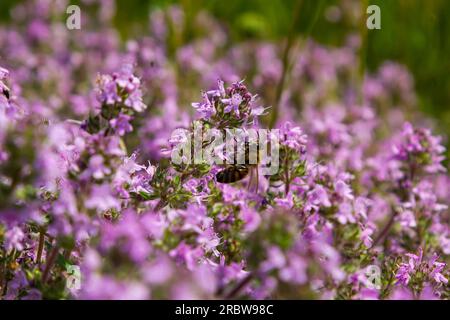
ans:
(237, 171)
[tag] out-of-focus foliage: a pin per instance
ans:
(413, 32)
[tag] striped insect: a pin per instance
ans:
(236, 171)
(233, 173)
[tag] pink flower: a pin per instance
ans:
(14, 239)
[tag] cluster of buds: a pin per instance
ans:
(418, 271)
(420, 149)
(120, 97)
(232, 107)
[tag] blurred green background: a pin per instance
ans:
(414, 33)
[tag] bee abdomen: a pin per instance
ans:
(232, 174)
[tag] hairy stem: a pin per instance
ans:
(161, 204)
(67, 254)
(234, 292)
(286, 176)
(385, 230)
(40, 247)
(50, 262)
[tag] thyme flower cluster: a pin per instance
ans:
(85, 179)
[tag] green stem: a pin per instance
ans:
(387, 289)
(285, 62)
(286, 52)
(363, 33)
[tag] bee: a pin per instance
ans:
(236, 172)
(233, 173)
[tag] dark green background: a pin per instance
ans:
(413, 32)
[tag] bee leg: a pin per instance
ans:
(250, 179)
(257, 180)
(253, 182)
